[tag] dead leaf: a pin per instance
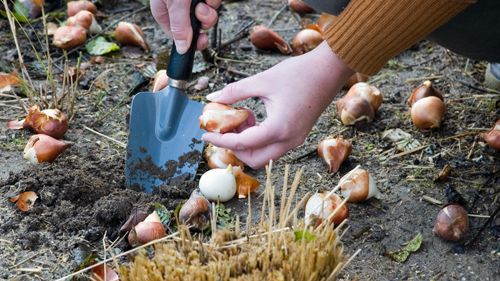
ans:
(25, 200)
(51, 28)
(402, 254)
(443, 175)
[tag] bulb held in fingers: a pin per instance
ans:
(221, 118)
(334, 151)
(266, 39)
(428, 112)
(320, 207)
(452, 223)
(67, 37)
(76, 6)
(196, 213)
(42, 148)
(422, 91)
(359, 186)
(86, 20)
(306, 40)
(245, 184)
(130, 34)
(492, 137)
(218, 157)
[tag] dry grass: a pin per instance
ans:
(267, 251)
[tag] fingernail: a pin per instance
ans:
(204, 10)
(213, 96)
(182, 46)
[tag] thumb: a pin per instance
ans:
(234, 92)
(180, 24)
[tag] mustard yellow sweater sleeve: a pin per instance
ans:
(370, 32)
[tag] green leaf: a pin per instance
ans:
(304, 235)
(163, 213)
(402, 254)
(21, 12)
(224, 218)
(100, 46)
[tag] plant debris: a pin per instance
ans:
(402, 254)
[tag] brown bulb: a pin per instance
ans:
(160, 80)
(354, 110)
(319, 207)
(452, 223)
(196, 213)
(42, 148)
(428, 112)
(51, 122)
(221, 118)
(245, 184)
(86, 20)
(76, 6)
(218, 157)
(130, 34)
(334, 151)
(300, 7)
(355, 78)
(146, 231)
(422, 91)
(67, 37)
(266, 39)
(359, 186)
(306, 40)
(368, 92)
(492, 137)
(325, 21)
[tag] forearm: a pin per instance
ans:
(369, 33)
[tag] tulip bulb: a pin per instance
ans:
(218, 184)
(221, 118)
(325, 21)
(319, 208)
(42, 148)
(245, 184)
(266, 39)
(306, 40)
(452, 223)
(354, 110)
(424, 90)
(67, 37)
(148, 230)
(86, 20)
(428, 112)
(196, 213)
(25, 200)
(218, 157)
(492, 137)
(356, 78)
(160, 81)
(359, 186)
(367, 92)
(334, 151)
(51, 122)
(104, 274)
(135, 218)
(130, 34)
(76, 6)
(300, 7)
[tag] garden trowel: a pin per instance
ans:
(164, 142)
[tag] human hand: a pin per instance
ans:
(174, 18)
(295, 92)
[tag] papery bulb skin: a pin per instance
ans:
(359, 186)
(51, 122)
(68, 37)
(319, 207)
(245, 184)
(325, 21)
(42, 148)
(334, 151)
(264, 38)
(428, 113)
(86, 20)
(452, 223)
(492, 137)
(218, 157)
(221, 118)
(422, 91)
(130, 34)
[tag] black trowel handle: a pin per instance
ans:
(181, 66)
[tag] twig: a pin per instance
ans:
(121, 144)
(31, 270)
(6, 241)
(408, 152)
(459, 136)
(276, 15)
(478, 216)
(424, 78)
(485, 90)
(26, 259)
(432, 200)
(470, 242)
(119, 255)
(239, 35)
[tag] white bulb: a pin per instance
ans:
(218, 184)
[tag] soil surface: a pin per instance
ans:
(83, 200)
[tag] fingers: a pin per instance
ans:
(160, 14)
(250, 122)
(180, 24)
(251, 138)
(236, 91)
(260, 157)
(206, 14)
(213, 3)
(202, 42)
